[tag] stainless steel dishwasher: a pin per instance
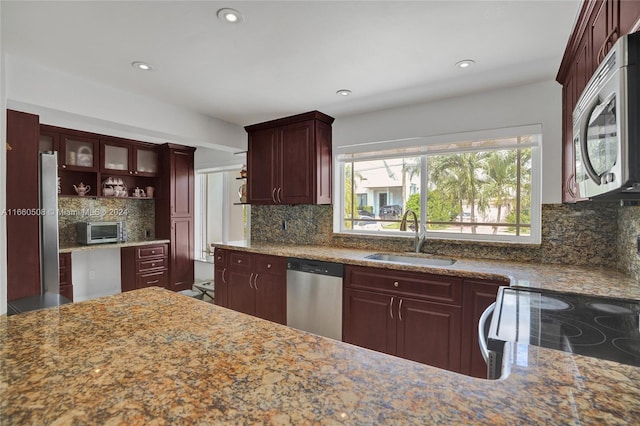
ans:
(314, 297)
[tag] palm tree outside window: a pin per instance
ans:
(485, 189)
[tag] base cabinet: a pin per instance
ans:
(254, 284)
(412, 315)
(477, 296)
(144, 266)
(66, 279)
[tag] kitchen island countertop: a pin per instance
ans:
(152, 356)
(564, 278)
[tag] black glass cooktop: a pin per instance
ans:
(592, 326)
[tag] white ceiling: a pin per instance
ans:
(289, 57)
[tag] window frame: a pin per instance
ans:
(418, 147)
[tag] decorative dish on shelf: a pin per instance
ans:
(114, 187)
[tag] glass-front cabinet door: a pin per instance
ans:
(116, 157)
(146, 162)
(78, 153)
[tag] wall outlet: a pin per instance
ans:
(92, 275)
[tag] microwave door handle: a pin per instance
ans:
(482, 337)
(586, 161)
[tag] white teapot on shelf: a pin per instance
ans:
(82, 189)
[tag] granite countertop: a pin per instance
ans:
(565, 278)
(152, 356)
(70, 249)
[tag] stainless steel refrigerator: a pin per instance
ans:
(49, 260)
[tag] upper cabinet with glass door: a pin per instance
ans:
(78, 153)
(130, 158)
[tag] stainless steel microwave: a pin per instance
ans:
(606, 126)
(100, 232)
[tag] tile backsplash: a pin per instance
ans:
(138, 214)
(579, 234)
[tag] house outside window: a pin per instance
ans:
(485, 188)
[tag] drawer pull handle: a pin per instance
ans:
(400, 310)
(153, 282)
(391, 307)
(396, 283)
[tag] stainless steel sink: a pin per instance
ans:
(412, 260)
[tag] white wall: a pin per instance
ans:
(531, 104)
(70, 101)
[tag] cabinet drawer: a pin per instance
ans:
(158, 279)
(151, 251)
(437, 288)
(273, 265)
(239, 260)
(150, 264)
(220, 257)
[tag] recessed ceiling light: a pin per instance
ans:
(343, 92)
(230, 15)
(465, 63)
(141, 66)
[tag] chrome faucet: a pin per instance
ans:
(421, 237)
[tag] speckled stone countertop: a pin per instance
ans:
(565, 278)
(70, 249)
(154, 357)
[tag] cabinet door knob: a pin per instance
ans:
(153, 252)
(136, 172)
(239, 260)
(396, 283)
(269, 266)
(64, 166)
(153, 264)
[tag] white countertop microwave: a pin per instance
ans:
(606, 126)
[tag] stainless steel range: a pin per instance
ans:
(599, 327)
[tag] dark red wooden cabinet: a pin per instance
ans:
(289, 160)
(220, 276)
(144, 266)
(412, 315)
(174, 212)
(599, 25)
(254, 284)
(477, 296)
(66, 277)
(23, 238)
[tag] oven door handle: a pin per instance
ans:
(482, 338)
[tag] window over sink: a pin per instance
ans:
(481, 186)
